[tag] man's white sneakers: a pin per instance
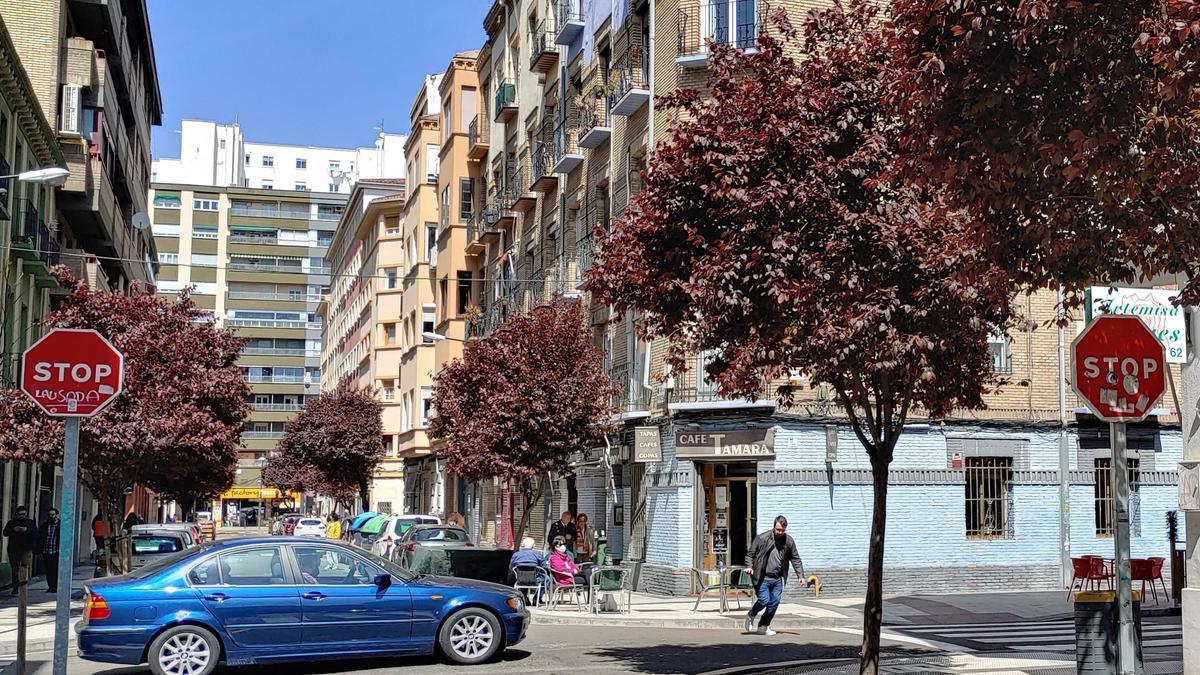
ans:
(749, 624)
(763, 630)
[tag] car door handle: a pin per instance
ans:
(313, 595)
(216, 597)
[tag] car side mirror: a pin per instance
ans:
(383, 581)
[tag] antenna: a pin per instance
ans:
(140, 221)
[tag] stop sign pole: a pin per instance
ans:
(1119, 371)
(71, 373)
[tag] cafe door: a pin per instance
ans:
(730, 513)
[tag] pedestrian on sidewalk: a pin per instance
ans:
(333, 527)
(22, 533)
(770, 555)
(563, 527)
(100, 532)
(585, 541)
(48, 548)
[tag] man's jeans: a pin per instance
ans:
(770, 592)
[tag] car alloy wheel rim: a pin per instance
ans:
(471, 636)
(184, 654)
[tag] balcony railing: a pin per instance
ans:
(585, 254)
(32, 240)
(263, 295)
(243, 266)
(274, 351)
(276, 379)
(258, 435)
(506, 101)
(4, 182)
(253, 238)
(266, 323)
(269, 210)
(631, 394)
(566, 153)
(277, 407)
(543, 52)
(543, 177)
(593, 116)
(733, 22)
(629, 91)
(477, 138)
(568, 15)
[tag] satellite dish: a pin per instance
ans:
(141, 221)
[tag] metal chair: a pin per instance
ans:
(563, 583)
(705, 585)
(739, 583)
(530, 578)
(611, 580)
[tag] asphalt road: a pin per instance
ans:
(582, 649)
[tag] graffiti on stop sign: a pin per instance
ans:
(1119, 367)
(1125, 376)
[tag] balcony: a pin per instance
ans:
(477, 138)
(731, 22)
(543, 177)
(630, 92)
(506, 101)
(274, 351)
(632, 397)
(265, 323)
(594, 125)
(251, 435)
(585, 254)
(4, 186)
(277, 407)
(258, 210)
(281, 268)
(543, 52)
(566, 152)
(33, 242)
(247, 238)
(263, 295)
(569, 16)
(520, 199)
(483, 227)
(275, 379)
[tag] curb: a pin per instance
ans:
(715, 623)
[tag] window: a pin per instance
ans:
(988, 497)
(333, 187)
(301, 187)
(464, 292)
(221, 144)
(466, 199)
(247, 158)
(431, 243)
(204, 232)
(391, 277)
(389, 387)
(391, 228)
(383, 507)
(204, 260)
(469, 108)
(389, 334)
(428, 320)
(335, 165)
(1105, 508)
(1000, 345)
(431, 163)
(406, 408)
(268, 185)
(730, 22)
(206, 204)
(165, 230)
(268, 160)
(165, 258)
(301, 163)
(207, 573)
(204, 288)
(333, 567)
(253, 567)
(162, 201)
(447, 121)
(426, 405)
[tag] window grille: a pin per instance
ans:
(988, 497)
(1104, 503)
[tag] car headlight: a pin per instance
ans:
(516, 602)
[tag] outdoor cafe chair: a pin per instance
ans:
(563, 583)
(739, 583)
(530, 578)
(611, 580)
(708, 582)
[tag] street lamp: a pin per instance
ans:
(53, 175)
(438, 337)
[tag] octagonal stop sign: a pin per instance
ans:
(72, 372)
(1119, 368)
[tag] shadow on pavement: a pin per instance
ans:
(340, 665)
(755, 650)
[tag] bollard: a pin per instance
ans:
(1096, 633)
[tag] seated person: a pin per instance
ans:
(565, 569)
(310, 569)
(526, 555)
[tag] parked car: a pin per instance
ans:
(394, 528)
(151, 545)
(289, 523)
(429, 536)
(309, 527)
(272, 599)
(195, 536)
(279, 522)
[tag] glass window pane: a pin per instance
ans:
(329, 566)
(253, 567)
(207, 573)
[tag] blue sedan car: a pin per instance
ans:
(266, 600)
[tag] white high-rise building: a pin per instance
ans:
(218, 155)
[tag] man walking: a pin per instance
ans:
(21, 533)
(48, 547)
(770, 554)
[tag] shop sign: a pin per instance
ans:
(747, 443)
(1162, 316)
(646, 446)
(254, 493)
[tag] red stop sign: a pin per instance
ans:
(1119, 368)
(72, 372)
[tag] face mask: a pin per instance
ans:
(560, 549)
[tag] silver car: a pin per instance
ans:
(150, 546)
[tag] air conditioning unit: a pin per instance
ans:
(69, 120)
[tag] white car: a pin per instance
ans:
(310, 527)
(393, 530)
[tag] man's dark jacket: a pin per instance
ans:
(760, 554)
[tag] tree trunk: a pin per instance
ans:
(873, 604)
(532, 494)
(364, 489)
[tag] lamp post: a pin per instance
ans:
(53, 175)
(438, 337)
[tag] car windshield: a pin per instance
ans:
(166, 561)
(310, 522)
(403, 526)
(145, 544)
(440, 534)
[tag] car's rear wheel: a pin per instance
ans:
(470, 636)
(184, 650)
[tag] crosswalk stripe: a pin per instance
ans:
(1036, 630)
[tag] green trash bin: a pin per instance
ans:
(1096, 632)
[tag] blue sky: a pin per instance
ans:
(308, 72)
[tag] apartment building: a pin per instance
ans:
(362, 344)
(217, 154)
(92, 69)
(568, 92)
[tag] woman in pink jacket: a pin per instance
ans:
(564, 568)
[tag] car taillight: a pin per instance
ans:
(412, 546)
(96, 608)
(469, 544)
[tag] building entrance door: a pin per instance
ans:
(729, 513)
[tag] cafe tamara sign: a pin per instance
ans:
(723, 444)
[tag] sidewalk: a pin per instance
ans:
(39, 621)
(991, 663)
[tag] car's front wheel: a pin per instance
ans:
(470, 636)
(184, 650)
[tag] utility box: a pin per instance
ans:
(1096, 632)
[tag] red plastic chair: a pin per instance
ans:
(1143, 571)
(1081, 568)
(1100, 570)
(1156, 570)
